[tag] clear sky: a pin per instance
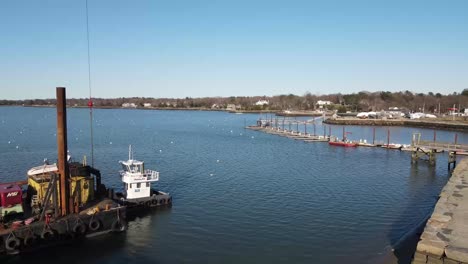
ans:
(202, 48)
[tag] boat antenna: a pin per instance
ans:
(90, 102)
(130, 154)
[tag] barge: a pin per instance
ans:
(56, 203)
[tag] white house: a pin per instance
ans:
(321, 103)
(262, 102)
(146, 105)
(129, 105)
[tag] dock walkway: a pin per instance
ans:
(445, 146)
(445, 237)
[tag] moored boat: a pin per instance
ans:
(137, 192)
(392, 146)
(57, 203)
(342, 144)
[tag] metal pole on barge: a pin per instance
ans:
(65, 205)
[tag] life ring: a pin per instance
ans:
(47, 234)
(154, 202)
(79, 229)
(94, 225)
(12, 243)
(117, 226)
(29, 240)
(163, 201)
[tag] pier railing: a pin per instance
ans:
(446, 146)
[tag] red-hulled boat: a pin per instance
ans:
(342, 144)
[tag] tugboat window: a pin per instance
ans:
(147, 184)
(138, 185)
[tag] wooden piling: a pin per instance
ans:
(65, 205)
(388, 137)
(373, 137)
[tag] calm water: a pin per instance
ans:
(239, 196)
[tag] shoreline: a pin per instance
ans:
(155, 108)
(346, 121)
(430, 124)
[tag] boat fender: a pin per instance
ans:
(94, 225)
(154, 202)
(169, 200)
(28, 240)
(79, 229)
(148, 203)
(117, 226)
(12, 243)
(47, 234)
(163, 201)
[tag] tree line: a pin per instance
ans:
(355, 102)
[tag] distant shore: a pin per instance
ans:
(426, 123)
(277, 112)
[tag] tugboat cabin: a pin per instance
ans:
(137, 180)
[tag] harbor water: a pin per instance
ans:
(239, 196)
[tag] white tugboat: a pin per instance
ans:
(137, 185)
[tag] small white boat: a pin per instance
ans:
(46, 168)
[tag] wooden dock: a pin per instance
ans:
(445, 237)
(306, 137)
(426, 148)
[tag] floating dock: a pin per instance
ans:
(306, 137)
(445, 237)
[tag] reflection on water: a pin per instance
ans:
(239, 195)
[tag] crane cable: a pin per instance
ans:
(90, 102)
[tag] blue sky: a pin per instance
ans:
(232, 48)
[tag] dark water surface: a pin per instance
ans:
(239, 195)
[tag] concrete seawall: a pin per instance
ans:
(445, 237)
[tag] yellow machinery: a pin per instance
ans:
(81, 185)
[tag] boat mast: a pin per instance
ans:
(90, 102)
